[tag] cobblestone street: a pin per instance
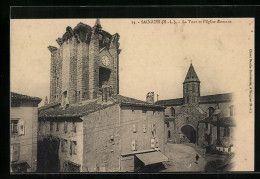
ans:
(182, 158)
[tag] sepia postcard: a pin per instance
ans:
(142, 95)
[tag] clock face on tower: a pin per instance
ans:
(105, 60)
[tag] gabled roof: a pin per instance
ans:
(50, 105)
(191, 75)
(122, 100)
(17, 96)
(78, 110)
(170, 102)
(216, 98)
(203, 99)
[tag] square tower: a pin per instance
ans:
(85, 62)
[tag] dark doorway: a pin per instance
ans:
(189, 132)
(48, 155)
(104, 75)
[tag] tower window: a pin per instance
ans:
(187, 119)
(172, 111)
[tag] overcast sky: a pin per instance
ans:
(154, 57)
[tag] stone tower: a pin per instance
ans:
(86, 61)
(191, 87)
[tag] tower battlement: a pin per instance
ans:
(86, 59)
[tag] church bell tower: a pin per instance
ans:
(191, 88)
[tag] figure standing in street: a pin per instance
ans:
(197, 158)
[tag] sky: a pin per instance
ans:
(154, 57)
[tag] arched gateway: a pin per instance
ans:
(189, 132)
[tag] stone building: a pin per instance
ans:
(23, 132)
(88, 126)
(86, 59)
(190, 118)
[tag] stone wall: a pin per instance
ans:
(102, 140)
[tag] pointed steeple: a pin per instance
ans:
(191, 75)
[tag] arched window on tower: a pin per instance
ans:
(231, 110)
(172, 111)
(193, 99)
(188, 99)
(211, 111)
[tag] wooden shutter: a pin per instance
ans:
(21, 127)
(133, 144)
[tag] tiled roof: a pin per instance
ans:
(73, 110)
(216, 97)
(131, 101)
(53, 104)
(17, 96)
(191, 75)
(177, 101)
(77, 110)
(203, 99)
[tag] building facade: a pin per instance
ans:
(23, 132)
(189, 119)
(88, 126)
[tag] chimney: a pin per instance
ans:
(46, 101)
(150, 97)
